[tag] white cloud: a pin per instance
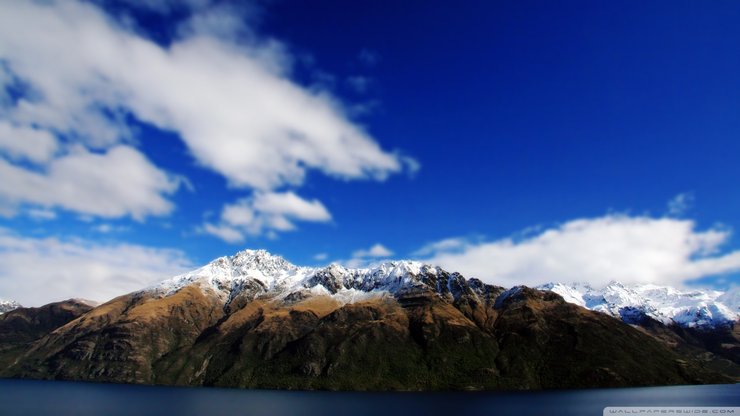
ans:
(229, 21)
(369, 257)
(109, 228)
(598, 250)
(680, 204)
(168, 6)
(41, 214)
(376, 251)
(321, 256)
(447, 245)
(36, 271)
(116, 183)
(26, 143)
(234, 107)
(290, 205)
(224, 232)
(265, 212)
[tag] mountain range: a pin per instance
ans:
(670, 306)
(255, 320)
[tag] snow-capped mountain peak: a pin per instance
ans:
(268, 264)
(8, 305)
(688, 308)
(258, 272)
(229, 276)
(226, 274)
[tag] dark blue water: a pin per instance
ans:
(30, 397)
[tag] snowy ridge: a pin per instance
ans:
(8, 305)
(258, 272)
(687, 308)
(230, 276)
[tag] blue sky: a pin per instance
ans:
(513, 141)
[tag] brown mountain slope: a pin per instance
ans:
(421, 339)
(24, 325)
(119, 340)
(717, 348)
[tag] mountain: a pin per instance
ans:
(8, 305)
(252, 272)
(21, 326)
(632, 303)
(702, 324)
(255, 320)
(731, 298)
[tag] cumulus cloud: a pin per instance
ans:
(376, 251)
(36, 271)
(265, 212)
(630, 249)
(234, 106)
(119, 182)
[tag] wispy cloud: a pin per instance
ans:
(359, 83)
(368, 57)
(367, 257)
(680, 204)
(447, 245)
(41, 214)
(234, 106)
(106, 228)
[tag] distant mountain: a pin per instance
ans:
(731, 298)
(702, 324)
(687, 308)
(232, 275)
(255, 320)
(8, 305)
(21, 326)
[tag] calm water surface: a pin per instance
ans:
(30, 397)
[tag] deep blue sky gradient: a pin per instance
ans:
(521, 113)
(525, 113)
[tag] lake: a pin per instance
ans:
(32, 397)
